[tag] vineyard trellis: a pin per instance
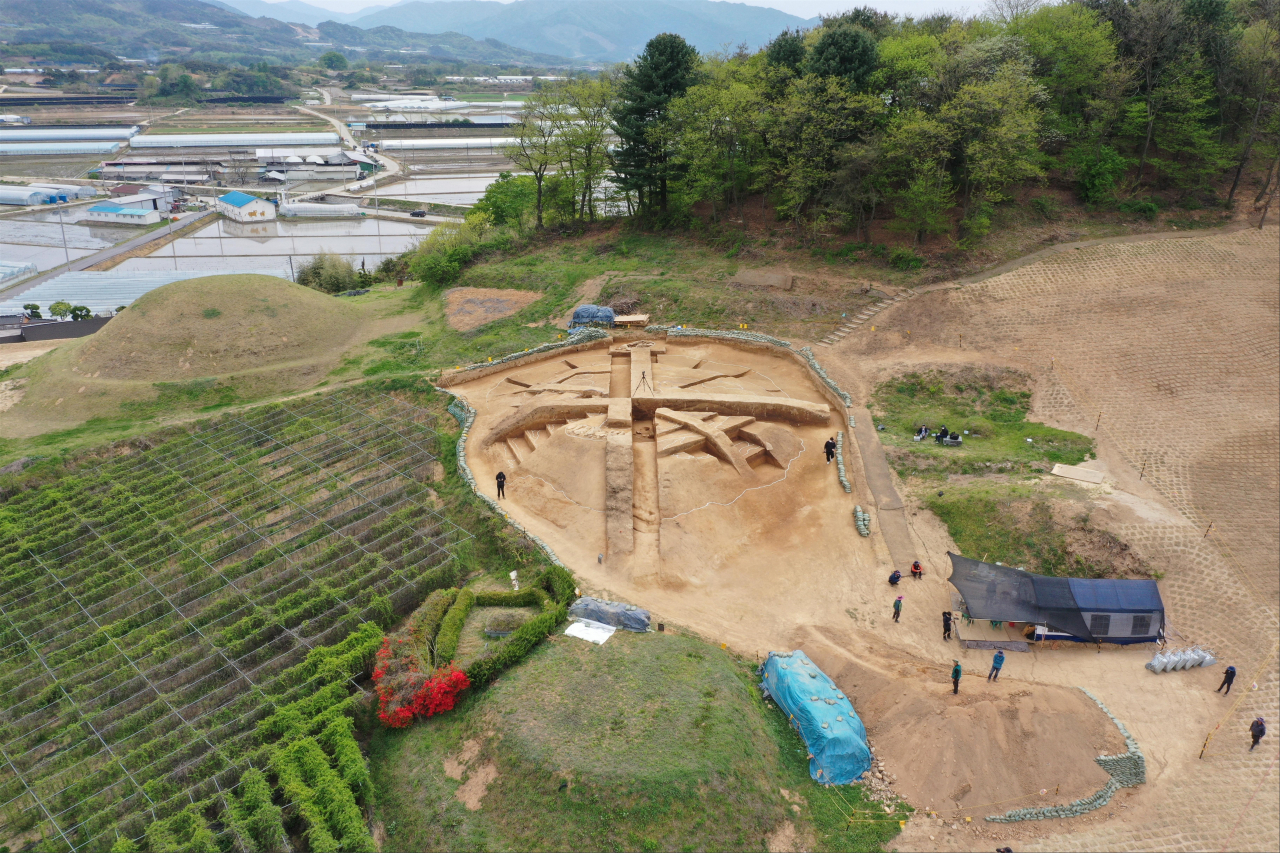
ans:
(156, 608)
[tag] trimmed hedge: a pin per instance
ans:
(530, 597)
(451, 627)
(514, 648)
(560, 584)
(424, 623)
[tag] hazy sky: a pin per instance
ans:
(802, 8)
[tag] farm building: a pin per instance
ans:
(1087, 610)
(171, 171)
(116, 213)
(243, 207)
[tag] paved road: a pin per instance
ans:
(89, 260)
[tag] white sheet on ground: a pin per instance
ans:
(592, 632)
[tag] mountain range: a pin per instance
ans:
(585, 30)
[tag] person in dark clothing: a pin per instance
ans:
(830, 448)
(955, 676)
(1258, 728)
(917, 570)
(502, 485)
(1227, 678)
(946, 624)
(897, 608)
(937, 439)
(895, 577)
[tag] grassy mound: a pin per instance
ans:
(991, 404)
(216, 326)
(649, 742)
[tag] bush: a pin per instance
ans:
(905, 259)
(328, 274)
(451, 627)
(1097, 173)
(1048, 207)
(1146, 209)
(560, 584)
(438, 259)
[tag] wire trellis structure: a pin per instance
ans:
(149, 607)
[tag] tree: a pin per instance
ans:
(33, 311)
(508, 199)
(786, 50)
(333, 60)
(80, 312)
(921, 208)
(663, 72)
(844, 51)
(327, 273)
(533, 148)
(583, 136)
(1009, 11)
(60, 309)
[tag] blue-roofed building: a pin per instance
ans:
(243, 207)
(121, 214)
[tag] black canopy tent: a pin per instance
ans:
(1088, 609)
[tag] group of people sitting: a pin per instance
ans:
(917, 572)
(940, 437)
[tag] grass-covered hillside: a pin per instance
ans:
(649, 742)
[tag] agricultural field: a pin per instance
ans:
(198, 603)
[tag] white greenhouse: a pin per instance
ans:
(69, 190)
(36, 149)
(311, 208)
(22, 196)
(484, 144)
(67, 134)
(233, 140)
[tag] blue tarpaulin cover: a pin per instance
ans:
(584, 314)
(613, 613)
(831, 729)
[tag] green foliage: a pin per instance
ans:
(323, 800)
(33, 311)
(1148, 210)
(509, 200)
(79, 312)
(1098, 170)
(1048, 207)
(185, 831)
(124, 844)
(787, 50)
(60, 309)
(560, 584)
(424, 624)
(257, 822)
(905, 259)
(333, 60)
(921, 208)
(338, 737)
(438, 259)
(848, 52)
(451, 627)
(328, 273)
(516, 646)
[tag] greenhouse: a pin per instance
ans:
(67, 134)
(69, 190)
(13, 270)
(23, 196)
(233, 140)
(105, 291)
(484, 143)
(35, 149)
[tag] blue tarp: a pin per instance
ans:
(586, 314)
(613, 613)
(831, 729)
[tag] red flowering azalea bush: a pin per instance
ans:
(405, 692)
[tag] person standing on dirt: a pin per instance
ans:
(996, 663)
(1228, 678)
(1258, 728)
(897, 608)
(830, 448)
(946, 624)
(955, 676)
(502, 485)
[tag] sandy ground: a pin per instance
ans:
(1175, 342)
(11, 354)
(471, 307)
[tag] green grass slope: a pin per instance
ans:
(649, 742)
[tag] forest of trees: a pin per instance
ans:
(925, 120)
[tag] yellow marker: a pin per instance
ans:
(873, 328)
(902, 824)
(968, 820)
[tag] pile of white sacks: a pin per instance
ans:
(1184, 659)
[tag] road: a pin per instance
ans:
(181, 222)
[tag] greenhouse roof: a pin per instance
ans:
(232, 140)
(20, 149)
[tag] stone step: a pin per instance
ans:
(534, 437)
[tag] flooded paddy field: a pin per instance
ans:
(40, 239)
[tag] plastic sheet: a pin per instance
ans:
(615, 613)
(831, 729)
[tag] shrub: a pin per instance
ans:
(1146, 209)
(451, 627)
(559, 583)
(256, 821)
(413, 694)
(1048, 207)
(438, 259)
(328, 274)
(1097, 173)
(905, 259)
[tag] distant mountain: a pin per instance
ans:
(144, 28)
(438, 45)
(168, 29)
(600, 30)
(295, 11)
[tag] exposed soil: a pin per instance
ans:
(469, 308)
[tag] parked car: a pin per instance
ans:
(418, 213)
